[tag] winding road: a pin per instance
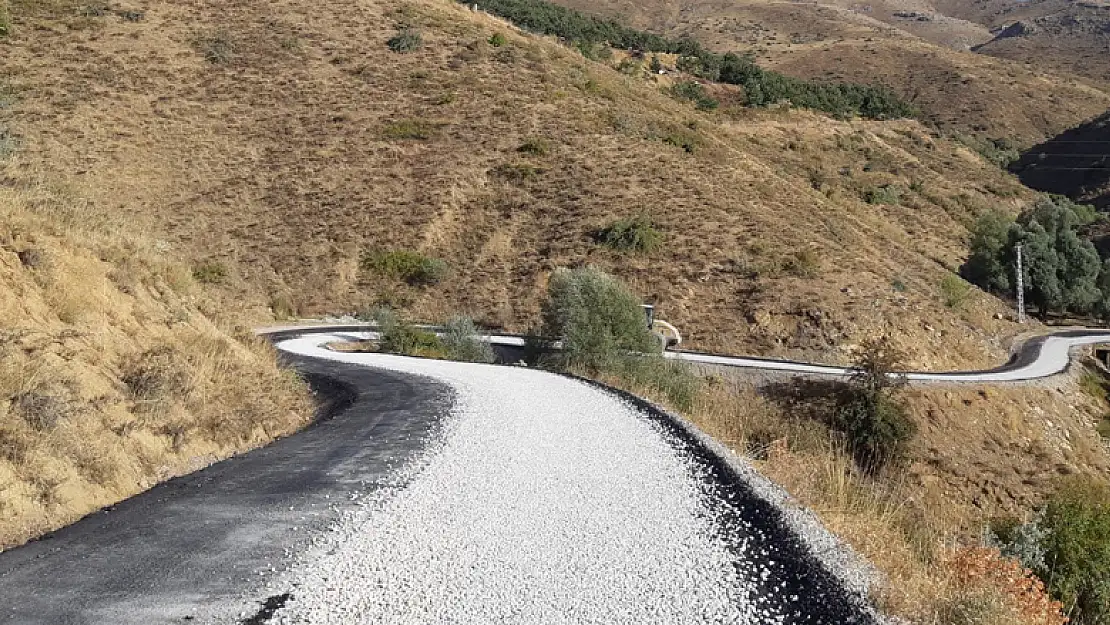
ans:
(443, 492)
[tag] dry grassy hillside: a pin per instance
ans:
(113, 375)
(278, 145)
(958, 91)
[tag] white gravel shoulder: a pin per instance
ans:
(545, 500)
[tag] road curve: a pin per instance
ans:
(551, 500)
(1037, 358)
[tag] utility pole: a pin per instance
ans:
(1020, 286)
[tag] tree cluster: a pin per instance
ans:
(1062, 270)
(761, 87)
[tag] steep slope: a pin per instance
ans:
(113, 375)
(278, 145)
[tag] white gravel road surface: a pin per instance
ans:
(545, 500)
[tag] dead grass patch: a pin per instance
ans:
(112, 379)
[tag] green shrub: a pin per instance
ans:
(535, 146)
(632, 234)
(694, 92)
(398, 336)
(210, 272)
(217, 47)
(898, 285)
(597, 318)
(672, 379)
(1000, 152)
(406, 40)
(955, 292)
(517, 172)
(461, 342)
(283, 307)
(871, 413)
(1077, 550)
(408, 266)
(409, 129)
(687, 141)
(630, 67)
(498, 40)
(804, 263)
(886, 194)
(5, 20)
(1093, 384)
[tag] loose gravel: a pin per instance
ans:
(547, 500)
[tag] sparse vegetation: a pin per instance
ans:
(217, 47)
(636, 234)
(804, 263)
(1000, 152)
(406, 40)
(674, 381)
(535, 146)
(398, 336)
(694, 92)
(886, 194)
(5, 20)
(517, 172)
(417, 129)
(210, 272)
(411, 267)
(497, 40)
(689, 142)
(461, 342)
(954, 292)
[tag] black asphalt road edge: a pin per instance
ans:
(177, 548)
(826, 582)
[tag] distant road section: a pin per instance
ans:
(1037, 358)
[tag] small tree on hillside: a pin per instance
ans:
(871, 415)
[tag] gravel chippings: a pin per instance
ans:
(545, 500)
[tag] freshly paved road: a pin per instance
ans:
(550, 500)
(440, 492)
(206, 540)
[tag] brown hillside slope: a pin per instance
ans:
(959, 91)
(112, 374)
(311, 144)
(1072, 38)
